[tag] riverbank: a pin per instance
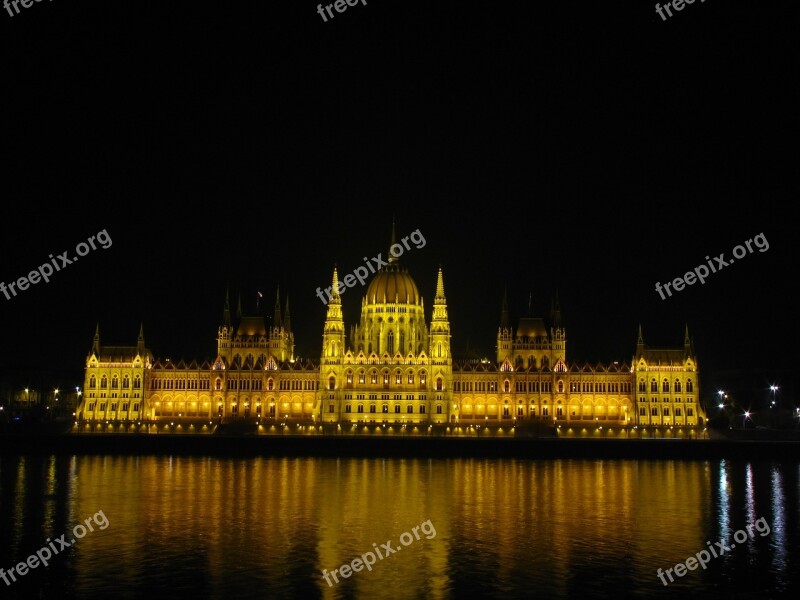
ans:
(363, 446)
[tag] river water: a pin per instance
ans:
(209, 527)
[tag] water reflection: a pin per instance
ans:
(267, 527)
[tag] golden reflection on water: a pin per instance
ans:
(233, 526)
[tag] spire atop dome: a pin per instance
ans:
(392, 258)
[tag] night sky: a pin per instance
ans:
(589, 148)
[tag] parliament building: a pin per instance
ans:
(391, 368)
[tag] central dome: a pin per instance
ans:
(392, 284)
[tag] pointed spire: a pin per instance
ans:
(555, 312)
(530, 304)
(96, 341)
(335, 288)
(226, 311)
(140, 341)
(640, 339)
(392, 257)
(687, 341)
(287, 318)
(440, 285)
(504, 310)
(239, 307)
(277, 322)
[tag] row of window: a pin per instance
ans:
(384, 409)
(439, 382)
(545, 362)
(257, 385)
(384, 397)
(599, 387)
(559, 367)
(373, 377)
(474, 386)
(544, 386)
(102, 408)
(690, 400)
(297, 384)
(126, 382)
(665, 411)
(179, 384)
(665, 385)
(113, 394)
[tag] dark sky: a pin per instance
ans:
(586, 147)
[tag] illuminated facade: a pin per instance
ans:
(392, 368)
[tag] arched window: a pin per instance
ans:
(438, 384)
(126, 382)
(402, 342)
(440, 350)
(361, 408)
(104, 383)
(390, 343)
(398, 376)
(689, 385)
(114, 382)
(92, 382)
(349, 377)
(411, 377)
(532, 362)
(373, 376)
(642, 386)
(677, 385)
(218, 384)
(270, 384)
(422, 378)
(438, 409)
(665, 385)
(653, 385)
(332, 383)
(560, 387)
(361, 376)
(506, 386)
(386, 378)
(137, 383)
